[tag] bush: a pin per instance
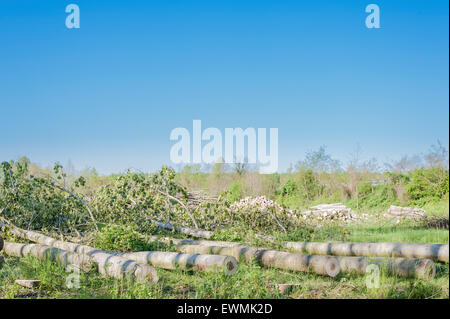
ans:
(428, 184)
(40, 202)
(235, 192)
(382, 196)
(121, 238)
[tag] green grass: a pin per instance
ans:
(401, 233)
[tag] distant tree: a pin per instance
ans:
(240, 168)
(359, 170)
(319, 161)
(437, 156)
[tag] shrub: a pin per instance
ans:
(120, 238)
(235, 192)
(428, 184)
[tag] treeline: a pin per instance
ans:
(362, 184)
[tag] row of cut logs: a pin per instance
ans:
(405, 260)
(329, 259)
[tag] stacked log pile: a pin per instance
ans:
(260, 203)
(400, 212)
(332, 212)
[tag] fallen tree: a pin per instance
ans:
(428, 251)
(402, 267)
(57, 255)
(171, 260)
(108, 264)
(177, 241)
(200, 233)
(322, 265)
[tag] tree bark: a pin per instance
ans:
(397, 211)
(30, 284)
(402, 267)
(189, 231)
(1, 243)
(433, 252)
(108, 264)
(42, 252)
(171, 260)
(322, 265)
(177, 241)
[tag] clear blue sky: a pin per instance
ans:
(108, 94)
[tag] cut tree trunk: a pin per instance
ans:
(1, 243)
(322, 265)
(434, 252)
(31, 284)
(202, 242)
(107, 263)
(397, 211)
(172, 261)
(200, 233)
(42, 252)
(402, 267)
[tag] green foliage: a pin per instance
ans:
(39, 202)
(303, 188)
(375, 196)
(234, 193)
(121, 238)
(308, 184)
(398, 178)
(428, 184)
(289, 188)
(135, 198)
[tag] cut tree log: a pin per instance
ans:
(202, 242)
(42, 252)
(200, 233)
(397, 211)
(402, 267)
(322, 265)
(172, 261)
(428, 251)
(31, 284)
(1, 243)
(107, 263)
